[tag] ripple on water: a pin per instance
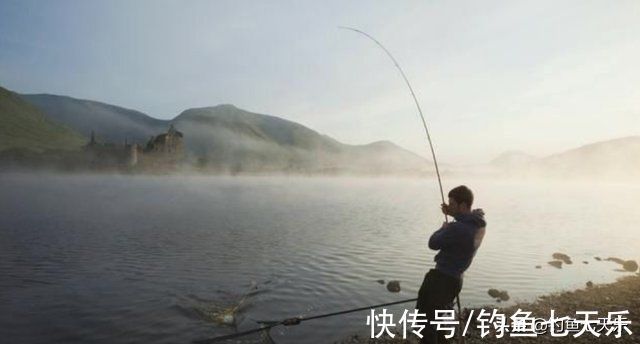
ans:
(132, 259)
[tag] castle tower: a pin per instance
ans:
(133, 154)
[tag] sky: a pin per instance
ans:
(491, 76)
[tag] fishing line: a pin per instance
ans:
(267, 325)
(415, 100)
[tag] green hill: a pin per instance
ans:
(24, 127)
(234, 139)
(109, 122)
(225, 138)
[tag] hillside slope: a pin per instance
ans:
(111, 123)
(227, 136)
(616, 159)
(23, 126)
(612, 158)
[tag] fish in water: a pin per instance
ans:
(227, 316)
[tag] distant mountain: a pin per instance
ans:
(110, 123)
(235, 139)
(228, 139)
(613, 159)
(24, 127)
(618, 158)
(225, 138)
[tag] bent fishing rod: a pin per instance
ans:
(415, 100)
(424, 123)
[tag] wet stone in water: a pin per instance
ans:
(393, 286)
(630, 265)
(563, 257)
(556, 263)
(500, 295)
(615, 260)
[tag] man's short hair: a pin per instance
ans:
(462, 194)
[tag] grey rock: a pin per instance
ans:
(630, 265)
(563, 257)
(555, 263)
(500, 295)
(393, 286)
(615, 260)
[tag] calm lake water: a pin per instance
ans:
(120, 259)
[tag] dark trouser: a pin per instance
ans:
(437, 292)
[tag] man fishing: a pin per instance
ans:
(458, 242)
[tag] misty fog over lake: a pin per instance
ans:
(120, 259)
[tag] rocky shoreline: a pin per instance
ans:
(624, 294)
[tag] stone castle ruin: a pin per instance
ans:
(163, 151)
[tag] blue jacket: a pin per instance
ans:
(458, 242)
